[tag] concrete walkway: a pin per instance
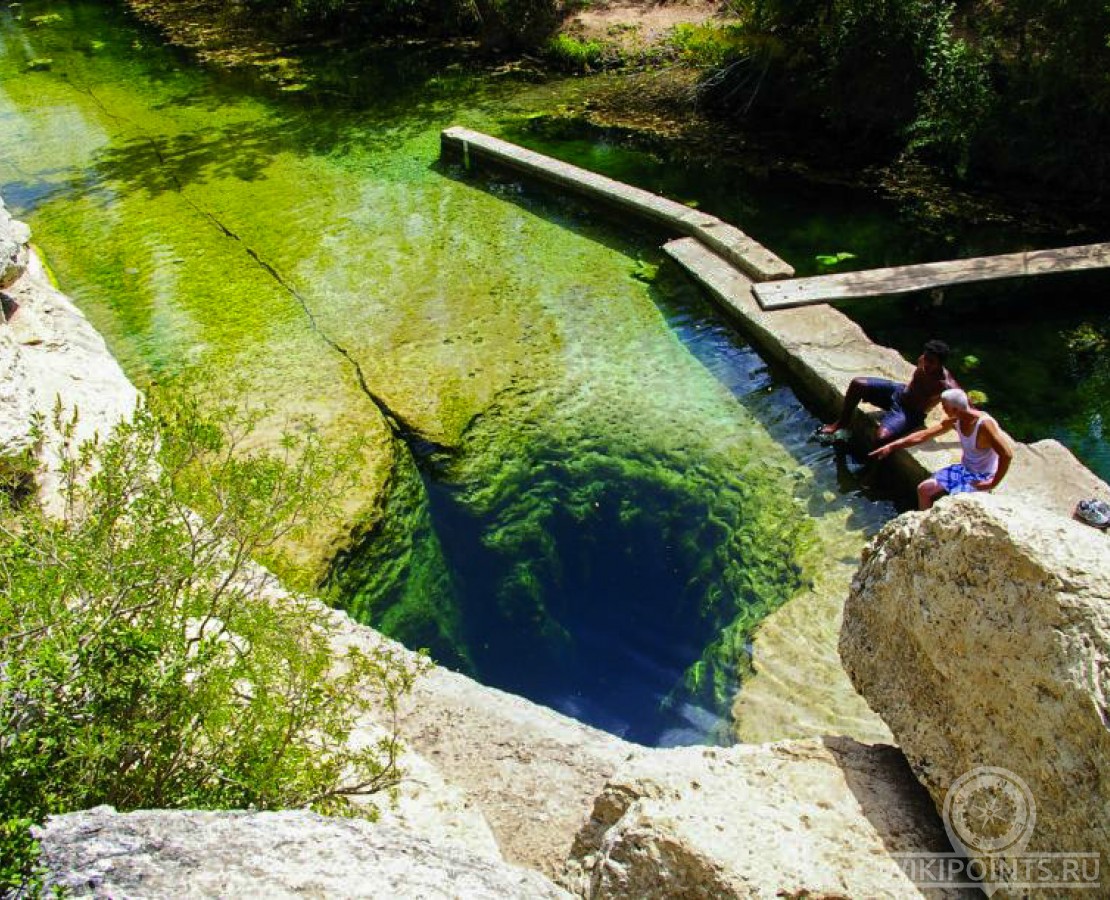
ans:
(821, 347)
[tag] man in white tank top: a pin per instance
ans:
(987, 450)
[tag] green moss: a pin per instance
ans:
(393, 576)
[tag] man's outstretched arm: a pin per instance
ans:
(917, 437)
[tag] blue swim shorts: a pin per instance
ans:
(958, 480)
(887, 395)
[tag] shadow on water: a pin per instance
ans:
(610, 227)
(359, 101)
(160, 164)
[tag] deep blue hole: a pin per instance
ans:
(614, 635)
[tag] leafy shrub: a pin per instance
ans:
(17, 473)
(573, 55)
(1019, 89)
(856, 67)
(141, 665)
(514, 24)
(707, 45)
(954, 101)
(20, 872)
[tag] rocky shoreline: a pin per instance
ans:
(501, 784)
(495, 777)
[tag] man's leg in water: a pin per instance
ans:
(877, 391)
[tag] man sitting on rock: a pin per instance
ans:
(987, 451)
(906, 405)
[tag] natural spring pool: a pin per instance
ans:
(600, 488)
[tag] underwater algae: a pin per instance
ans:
(556, 495)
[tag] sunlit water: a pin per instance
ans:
(600, 488)
(1038, 347)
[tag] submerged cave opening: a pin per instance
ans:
(591, 623)
(619, 592)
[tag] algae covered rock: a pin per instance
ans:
(981, 633)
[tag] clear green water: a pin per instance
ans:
(596, 488)
(1039, 348)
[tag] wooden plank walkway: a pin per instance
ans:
(926, 276)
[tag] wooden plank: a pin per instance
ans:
(926, 276)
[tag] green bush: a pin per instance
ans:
(20, 873)
(140, 664)
(956, 97)
(573, 55)
(708, 45)
(857, 69)
(1018, 89)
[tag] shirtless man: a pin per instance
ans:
(987, 451)
(906, 405)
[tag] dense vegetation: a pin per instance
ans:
(499, 24)
(140, 663)
(979, 87)
(1015, 89)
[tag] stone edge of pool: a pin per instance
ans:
(496, 783)
(821, 347)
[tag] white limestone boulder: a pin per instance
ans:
(14, 237)
(50, 354)
(980, 632)
(170, 854)
(17, 403)
(814, 818)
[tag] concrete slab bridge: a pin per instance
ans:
(790, 322)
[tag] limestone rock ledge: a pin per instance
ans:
(50, 353)
(817, 818)
(491, 773)
(14, 236)
(531, 772)
(980, 632)
(157, 853)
